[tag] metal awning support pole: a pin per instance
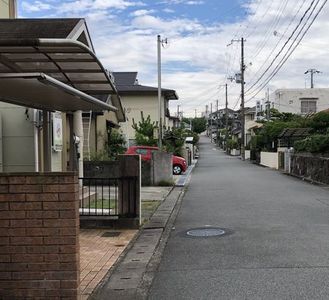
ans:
(46, 141)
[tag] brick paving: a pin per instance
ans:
(97, 255)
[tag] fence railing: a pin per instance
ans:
(108, 197)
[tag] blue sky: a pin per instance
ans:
(197, 60)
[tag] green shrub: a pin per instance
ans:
(232, 144)
(315, 144)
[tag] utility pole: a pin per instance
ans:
(242, 101)
(159, 44)
(178, 111)
(210, 122)
(226, 115)
(217, 127)
(239, 78)
(312, 72)
(195, 114)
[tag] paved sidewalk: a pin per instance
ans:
(126, 281)
(101, 248)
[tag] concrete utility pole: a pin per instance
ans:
(242, 101)
(210, 122)
(239, 78)
(226, 115)
(159, 44)
(178, 111)
(195, 113)
(312, 72)
(217, 127)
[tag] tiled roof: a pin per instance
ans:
(125, 78)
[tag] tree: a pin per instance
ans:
(199, 125)
(144, 131)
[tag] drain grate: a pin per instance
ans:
(206, 232)
(111, 234)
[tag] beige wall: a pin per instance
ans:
(289, 100)
(7, 8)
(134, 105)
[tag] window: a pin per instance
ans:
(141, 151)
(308, 106)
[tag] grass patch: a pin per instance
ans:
(148, 208)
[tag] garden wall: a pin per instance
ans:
(310, 167)
(269, 159)
(39, 236)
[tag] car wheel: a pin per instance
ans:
(177, 169)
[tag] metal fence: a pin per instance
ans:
(101, 197)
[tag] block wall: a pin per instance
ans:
(39, 230)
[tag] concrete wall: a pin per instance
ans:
(39, 236)
(161, 167)
(269, 159)
(247, 154)
(288, 100)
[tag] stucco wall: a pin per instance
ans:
(288, 100)
(134, 105)
(269, 159)
(4, 8)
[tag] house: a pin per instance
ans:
(39, 58)
(8, 9)
(137, 99)
(300, 101)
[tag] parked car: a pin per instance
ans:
(179, 163)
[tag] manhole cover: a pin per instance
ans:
(111, 234)
(206, 232)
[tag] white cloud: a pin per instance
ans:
(142, 12)
(36, 6)
(197, 60)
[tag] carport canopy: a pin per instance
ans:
(40, 91)
(68, 61)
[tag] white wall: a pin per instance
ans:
(134, 105)
(247, 154)
(269, 159)
(289, 100)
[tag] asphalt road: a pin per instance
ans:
(278, 246)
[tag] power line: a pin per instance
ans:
(282, 36)
(285, 44)
(284, 59)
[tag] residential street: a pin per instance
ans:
(278, 241)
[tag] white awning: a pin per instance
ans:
(40, 91)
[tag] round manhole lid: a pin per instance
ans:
(206, 232)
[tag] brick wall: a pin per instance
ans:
(39, 230)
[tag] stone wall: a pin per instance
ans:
(310, 167)
(39, 230)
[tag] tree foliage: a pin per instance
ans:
(144, 131)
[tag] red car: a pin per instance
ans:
(179, 163)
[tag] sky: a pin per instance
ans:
(200, 57)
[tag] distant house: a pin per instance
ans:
(300, 101)
(137, 98)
